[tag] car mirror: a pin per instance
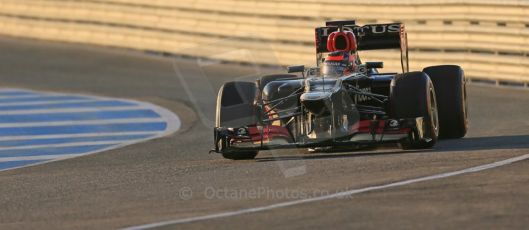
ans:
(375, 65)
(296, 69)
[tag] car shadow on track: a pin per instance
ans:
(450, 145)
(484, 143)
(337, 154)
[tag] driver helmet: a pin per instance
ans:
(338, 63)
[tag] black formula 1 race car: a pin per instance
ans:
(342, 102)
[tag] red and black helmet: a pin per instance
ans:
(338, 63)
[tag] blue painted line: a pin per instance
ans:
(15, 116)
(41, 98)
(14, 164)
(74, 129)
(87, 104)
(78, 116)
(52, 141)
(51, 151)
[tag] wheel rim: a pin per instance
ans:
(465, 107)
(433, 111)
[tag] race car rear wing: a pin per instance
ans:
(369, 37)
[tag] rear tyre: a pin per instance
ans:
(450, 88)
(413, 95)
(235, 108)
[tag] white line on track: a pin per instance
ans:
(44, 157)
(53, 136)
(72, 110)
(89, 122)
(50, 102)
(19, 96)
(3, 90)
(331, 196)
(72, 144)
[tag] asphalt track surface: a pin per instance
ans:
(174, 177)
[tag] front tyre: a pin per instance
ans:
(236, 108)
(412, 96)
(247, 155)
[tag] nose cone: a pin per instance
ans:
(318, 103)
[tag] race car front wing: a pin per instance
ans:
(366, 132)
